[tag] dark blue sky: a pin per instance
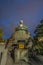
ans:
(11, 11)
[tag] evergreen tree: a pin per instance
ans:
(39, 36)
(39, 29)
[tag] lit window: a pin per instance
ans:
(21, 45)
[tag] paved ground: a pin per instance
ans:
(36, 60)
(21, 63)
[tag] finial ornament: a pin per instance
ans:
(21, 23)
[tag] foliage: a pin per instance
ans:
(1, 33)
(39, 33)
(39, 29)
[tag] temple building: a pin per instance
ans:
(17, 47)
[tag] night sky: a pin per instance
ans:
(12, 11)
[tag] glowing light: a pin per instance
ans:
(21, 45)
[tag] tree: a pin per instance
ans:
(39, 29)
(1, 34)
(39, 36)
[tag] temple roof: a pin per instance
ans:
(20, 33)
